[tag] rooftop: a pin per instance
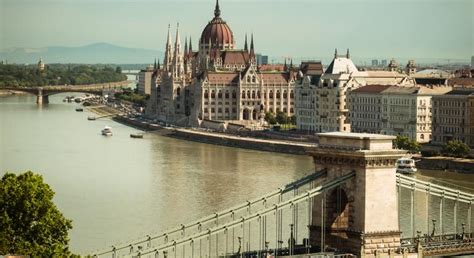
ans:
(341, 65)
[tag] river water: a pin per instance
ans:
(118, 188)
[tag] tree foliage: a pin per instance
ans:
(12, 75)
(270, 118)
(456, 149)
(30, 223)
(403, 142)
(132, 96)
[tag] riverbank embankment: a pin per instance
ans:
(10, 92)
(458, 165)
(287, 147)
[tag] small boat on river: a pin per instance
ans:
(136, 135)
(79, 109)
(91, 118)
(406, 166)
(107, 131)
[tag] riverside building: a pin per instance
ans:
(218, 82)
(394, 110)
(453, 116)
(331, 112)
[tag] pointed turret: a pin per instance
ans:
(158, 65)
(186, 46)
(217, 10)
(291, 64)
(154, 65)
(347, 54)
(252, 51)
(335, 53)
(178, 56)
(246, 47)
(190, 50)
(285, 67)
(168, 52)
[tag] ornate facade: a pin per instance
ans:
(218, 81)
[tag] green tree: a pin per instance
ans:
(281, 118)
(270, 118)
(403, 142)
(30, 223)
(456, 148)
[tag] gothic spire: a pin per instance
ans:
(168, 52)
(154, 66)
(347, 54)
(217, 10)
(178, 40)
(185, 46)
(291, 64)
(252, 51)
(190, 50)
(246, 48)
(168, 42)
(158, 65)
(335, 53)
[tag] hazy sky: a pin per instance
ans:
(298, 28)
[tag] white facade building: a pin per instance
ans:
(394, 110)
(145, 80)
(305, 90)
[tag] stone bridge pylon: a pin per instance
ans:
(361, 215)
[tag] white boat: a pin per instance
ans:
(406, 166)
(107, 131)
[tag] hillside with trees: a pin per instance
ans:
(12, 75)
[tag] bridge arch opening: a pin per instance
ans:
(337, 218)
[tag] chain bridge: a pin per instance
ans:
(43, 93)
(354, 205)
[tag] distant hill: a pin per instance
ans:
(90, 54)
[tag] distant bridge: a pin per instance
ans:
(43, 93)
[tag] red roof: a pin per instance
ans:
(225, 78)
(240, 57)
(282, 77)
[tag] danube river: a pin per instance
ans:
(118, 188)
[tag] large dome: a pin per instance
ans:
(217, 31)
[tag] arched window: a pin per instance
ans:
(278, 94)
(285, 94)
(234, 94)
(284, 110)
(253, 79)
(219, 94)
(271, 94)
(213, 94)
(206, 94)
(243, 94)
(178, 91)
(253, 94)
(248, 94)
(291, 110)
(226, 94)
(258, 94)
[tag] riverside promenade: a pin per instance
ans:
(280, 146)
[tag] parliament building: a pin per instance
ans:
(218, 82)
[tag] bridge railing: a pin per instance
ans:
(228, 215)
(433, 208)
(210, 244)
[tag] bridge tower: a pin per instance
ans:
(361, 216)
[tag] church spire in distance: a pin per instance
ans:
(217, 10)
(246, 47)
